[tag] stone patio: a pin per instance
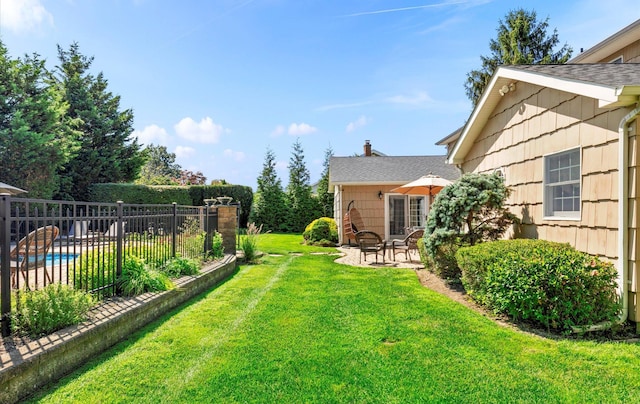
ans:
(351, 256)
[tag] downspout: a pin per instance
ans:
(623, 220)
(623, 210)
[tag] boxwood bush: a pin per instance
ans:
(545, 283)
(322, 231)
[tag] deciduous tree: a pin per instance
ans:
(160, 167)
(188, 177)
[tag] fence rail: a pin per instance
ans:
(86, 244)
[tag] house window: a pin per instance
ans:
(417, 212)
(562, 184)
(617, 60)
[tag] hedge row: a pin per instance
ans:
(548, 284)
(193, 195)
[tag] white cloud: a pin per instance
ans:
(418, 98)
(24, 15)
(301, 129)
(344, 105)
(185, 151)
(411, 8)
(151, 134)
(281, 165)
(277, 131)
(358, 123)
(236, 155)
(206, 131)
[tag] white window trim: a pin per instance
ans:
(544, 188)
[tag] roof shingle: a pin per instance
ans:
(388, 169)
(606, 74)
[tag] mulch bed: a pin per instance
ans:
(455, 291)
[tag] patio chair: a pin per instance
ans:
(31, 252)
(110, 235)
(370, 242)
(408, 244)
(79, 229)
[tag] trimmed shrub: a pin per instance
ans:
(322, 231)
(43, 311)
(444, 263)
(548, 284)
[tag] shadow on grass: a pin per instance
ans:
(122, 346)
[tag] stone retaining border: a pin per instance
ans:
(27, 368)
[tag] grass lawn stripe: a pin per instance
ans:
(305, 329)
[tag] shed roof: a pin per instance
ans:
(392, 170)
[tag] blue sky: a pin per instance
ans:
(220, 81)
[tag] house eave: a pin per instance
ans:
(607, 96)
(603, 49)
(367, 183)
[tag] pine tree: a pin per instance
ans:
(522, 39)
(107, 153)
(269, 209)
(325, 198)
(302, 207)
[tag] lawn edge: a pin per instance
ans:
(25, 369)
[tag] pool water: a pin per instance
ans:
(57, 258)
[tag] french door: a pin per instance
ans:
(404, 213)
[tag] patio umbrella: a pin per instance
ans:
(425, 185)
(9, 189)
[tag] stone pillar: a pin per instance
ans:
(227, 223)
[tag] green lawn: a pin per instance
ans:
(301, 328)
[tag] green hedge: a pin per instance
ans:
(548, 284)
(193, 195)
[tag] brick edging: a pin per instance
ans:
(24, 370)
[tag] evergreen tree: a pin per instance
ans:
(160, 167)
(302, 207)
(34, 144)
(325, 198)
(269, 209)
(522, 39)
(107, 153)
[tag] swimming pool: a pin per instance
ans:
(59, 258)
(55, 258)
